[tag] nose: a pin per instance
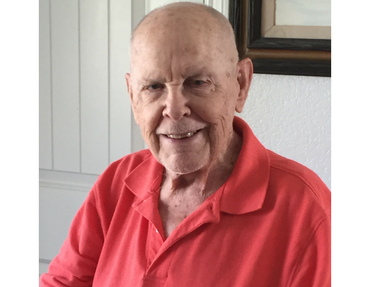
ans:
(176, 104)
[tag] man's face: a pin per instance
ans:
(184, 93)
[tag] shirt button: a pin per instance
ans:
(156, 230)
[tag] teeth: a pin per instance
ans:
(187, 135)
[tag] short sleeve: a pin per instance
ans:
(77, 260)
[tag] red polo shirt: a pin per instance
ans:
(268, 225)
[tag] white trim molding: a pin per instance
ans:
(43, 266)
(62, 185)
(220, 5)
(66, 180)
(147, 6)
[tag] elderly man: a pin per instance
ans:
(207, 204)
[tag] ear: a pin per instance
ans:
(245, 74)
(128, 84)
(129, 90)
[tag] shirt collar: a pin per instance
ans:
(245, 189)
(146, 178)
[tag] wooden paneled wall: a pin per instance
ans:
(85, 116)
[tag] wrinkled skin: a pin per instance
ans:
(183, 80)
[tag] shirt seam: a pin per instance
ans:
(302, 252)
(98, 213)
(307, 183)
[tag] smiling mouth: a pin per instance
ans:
(181, 136)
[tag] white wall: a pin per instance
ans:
(86, 120)
(291, 116)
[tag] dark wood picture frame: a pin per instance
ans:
(286, 56)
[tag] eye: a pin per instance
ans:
(196, 83)
(155, 87)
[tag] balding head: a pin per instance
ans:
(187, 22)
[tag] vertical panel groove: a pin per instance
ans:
(147, 8)
(109, 66)
(51, 89)
(79, 82)
(94, 85)
(64, 20)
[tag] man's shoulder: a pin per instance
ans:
(294, 169)
(298, 180)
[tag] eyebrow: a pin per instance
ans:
(148, 80)
(192, 71)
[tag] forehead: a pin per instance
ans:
(176, 39)
(171, 31)
(168, 59)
